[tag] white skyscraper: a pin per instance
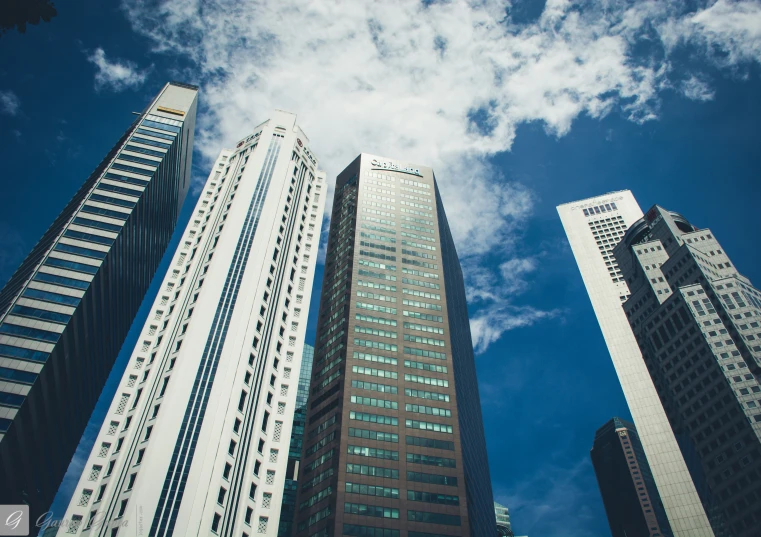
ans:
(594, 226)
(196, 440)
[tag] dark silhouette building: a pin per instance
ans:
(64, 314)
(628, 491)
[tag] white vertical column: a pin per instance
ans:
(672, 478)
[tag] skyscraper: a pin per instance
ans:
(504, 529)
(65, 313)
(697, 321)
(196, 440)
(394, 441)
(288, 509)
(628, 491)
(594, 226)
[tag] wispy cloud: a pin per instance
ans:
(116, 75)
(489, 323)
(556, 501)
(728, 32)
(696, 89)
(444, 84)
(9, 103)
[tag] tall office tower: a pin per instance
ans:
(197, 437)
(504, 529)
(626, 484)
(697, 322)
(288, 509)
(394, 441)
(66, 311)
(594, 226)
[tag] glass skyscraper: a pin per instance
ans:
(288, 510)
(594, 227)
(394, 442)
(197, 438)
(504, 529)
(631, 499)
(697, 322)
(66, 311)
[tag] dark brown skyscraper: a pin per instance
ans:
(394, 443)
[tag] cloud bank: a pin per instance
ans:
(440, 83)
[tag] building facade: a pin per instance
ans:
(631, 499)
(504, 529)
(66, 311)
(594, 227)
(697, 322)
(196, 440)
(394, 443)
(288, 509)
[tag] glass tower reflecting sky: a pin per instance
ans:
(66, 311)
(288, 510)
(394, 441)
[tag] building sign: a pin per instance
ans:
(386, 165)
(170, 111)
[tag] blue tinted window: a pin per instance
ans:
(52, 297)
(125, 179)
(97, 224)
(26, 354)
(145, 151)
(87, 237)
(141, 160)
(80, 251)
(25, 331)
(112, 201)
(61, 280)
(433, 518)
(155, 143)
(71, 265)
(11, 399)
(4, 424)
(162, 126)
(156, 134)
(37, 313)
(132, 169)
(16, 375)
(105, 212)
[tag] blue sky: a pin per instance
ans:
(518, 107)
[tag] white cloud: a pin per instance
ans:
(696, 89)
(445, 84)
(116, 75)
(730, 31)
(9, 103)
(494, 294)
(489, 323)
(514, 272)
